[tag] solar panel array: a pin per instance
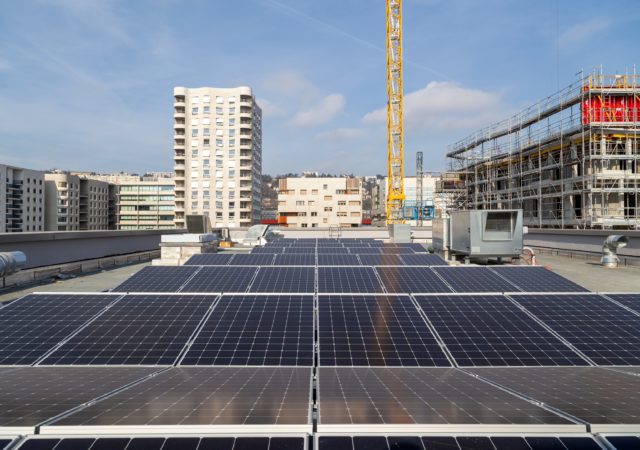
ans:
(373, 335)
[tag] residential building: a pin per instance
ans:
(74, 203)
(146, 204)
(320, 202)
(21, 200)
(410, 206)
(217, 155)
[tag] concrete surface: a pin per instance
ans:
(592, 275)
(94, 282)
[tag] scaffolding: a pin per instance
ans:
(569, 161)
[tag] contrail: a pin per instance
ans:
(333, 29)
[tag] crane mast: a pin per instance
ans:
(395, 119)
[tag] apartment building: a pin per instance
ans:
(217, 155)
(146, 204)
(21, 200)
(320, 202)
(74, 203)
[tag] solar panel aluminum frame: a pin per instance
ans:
(49, 427)
(440, 429)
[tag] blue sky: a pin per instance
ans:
(87, 84)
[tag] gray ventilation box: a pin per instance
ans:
(486, 234)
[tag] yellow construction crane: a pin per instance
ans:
(395, 119)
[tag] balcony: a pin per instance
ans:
(179, 101)
(178, 167)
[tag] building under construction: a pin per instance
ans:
(569, 161)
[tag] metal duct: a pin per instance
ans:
(610, 249)
(11, 262)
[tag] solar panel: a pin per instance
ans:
(165, 443)
(415, 246)
(474, 279)
(35, 324)
(468, 442)
(139, 329)
(406, 397)
(489, 330)
(631, 301)
(332, 251)
(603, 398)
(300, 250)
(423, 260)
(402, 279)
(4, 443)
(251, 260)
(338, 260)
(375, 331)
(536, 279)
(365, 250)
(348, 279)
(284, 279)
(31, 395)
(605, 332)
(295, 259)
(397, 251)
(266, 250)
(157, 279)
(627, 442)
(225, 396)
(209, 259)
(221, 279)
(256, 330)
(380, 260)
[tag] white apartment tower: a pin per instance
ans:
(217, 155)
(21, 199)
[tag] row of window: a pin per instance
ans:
(152, 188)
(146, 208)
(147, 218)
(195, 153)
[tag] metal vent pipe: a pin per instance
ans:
(610, 249)
(11, 262)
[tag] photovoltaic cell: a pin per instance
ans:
(284, 279)
(631, 301)
(266, 250)
(34, 325)
(31, 395)
(157, 279)
(365, 250)
(332, 251)
(139, 329)
(423, 260)
(162, 443)
(300, 250)
(457, 443)
(373, 330)
(489, 330)
(348, 279)
(537, 279)
(256, 330)
(595, 395)
(295, 259)
(402, 279)
(338, 260)
(252, 260)
(380, 260)
(221, 279)
(474, 279)
(412, 396)
(210, 259)
(206, 396)
(605, 332)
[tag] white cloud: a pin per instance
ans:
(446, 106)
(269, 109)
(341, 134)
(582, 31)
(323, 112)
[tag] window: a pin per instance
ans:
(219, 164)
(232, 99)
(314, 192)
(195, 100)
(219, 100)
(311, 202)
(232, 133)
(218, 205)
(219, 132)
(219, 195)
(314, 225)
(194, 111)
(232, 142)
(206, 99)
(194, 132)
(303, 192)
(232, 111)
(218, 110)
(206, 110)
(205, 132)
(342, 203)
(325, 186)
(328, 209)
(302, 214)
(219, 215)
(232, 173)
(328, 197)
(194, 153)
(299, 202)
(303, 225)
(232, 205)
(314, 214)
(219, 143)
(232, 194)
(219, 122)
(232, 121)
(232, 153)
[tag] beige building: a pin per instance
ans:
(145, 204)
(217, 155)
(74, 203)
(320, 202)
(21, 200)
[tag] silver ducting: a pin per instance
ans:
(11, 262)
(610, 249)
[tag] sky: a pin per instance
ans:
(88, 84)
